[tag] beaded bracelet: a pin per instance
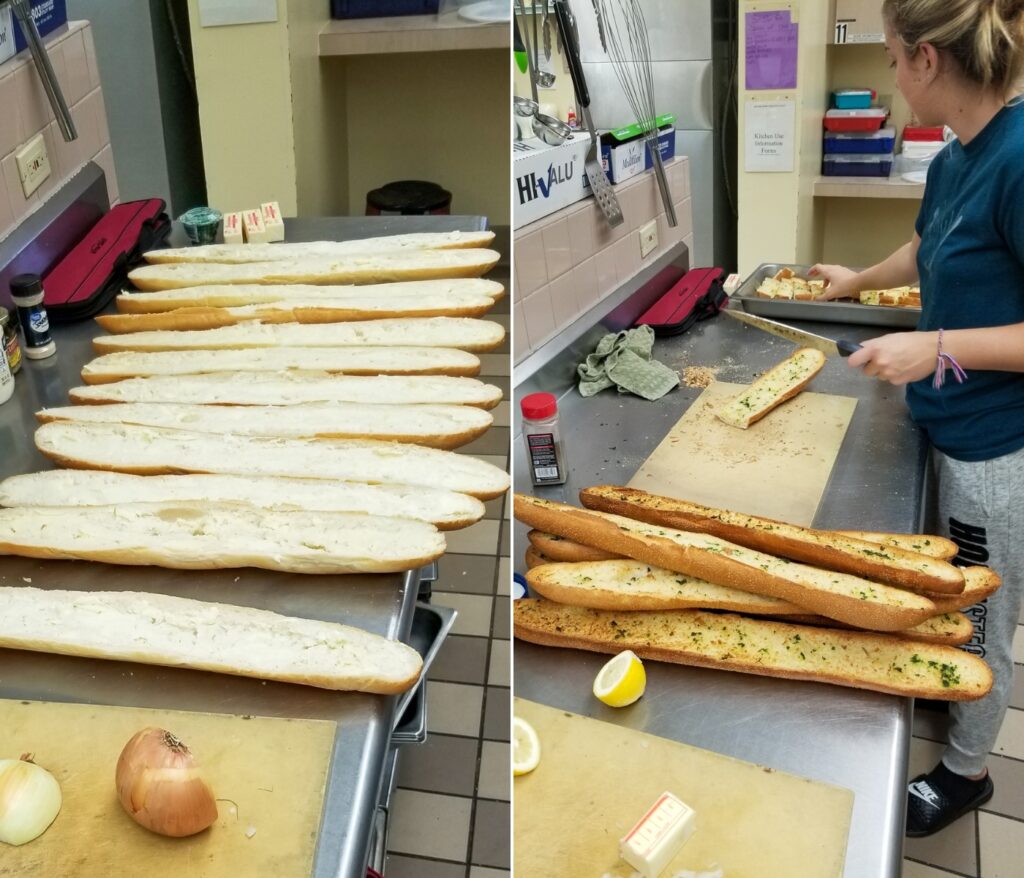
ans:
(945, 360)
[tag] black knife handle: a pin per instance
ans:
(847, 347)
(572, 52)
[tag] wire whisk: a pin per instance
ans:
(626, 41)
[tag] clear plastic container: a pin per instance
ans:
(857, 165)
(879, 142)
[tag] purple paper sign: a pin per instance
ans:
(771, 50)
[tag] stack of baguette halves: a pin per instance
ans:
(681, 582)
(292, 407)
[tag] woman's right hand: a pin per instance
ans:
(840, 282)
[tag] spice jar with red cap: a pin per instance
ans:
(544, 448)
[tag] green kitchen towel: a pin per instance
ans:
(623, 360)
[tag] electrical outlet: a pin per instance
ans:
(648, 238)
(33, 164)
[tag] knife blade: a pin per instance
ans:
(828, 346)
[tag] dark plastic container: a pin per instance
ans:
(874, 143)
(856, 165)
(382, 8)
(408, 198)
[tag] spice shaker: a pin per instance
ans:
(9, 333)
(544, 447)
(27, 292)
(6, 378)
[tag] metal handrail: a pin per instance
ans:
(23, 12)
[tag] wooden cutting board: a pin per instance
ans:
(777, 467)
(595, 780)
(273, 770)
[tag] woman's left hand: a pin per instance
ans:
(898, 358)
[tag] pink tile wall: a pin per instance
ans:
(25, 112)
(566, 263)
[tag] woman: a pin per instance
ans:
(959, 63)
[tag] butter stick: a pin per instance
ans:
(273, 221)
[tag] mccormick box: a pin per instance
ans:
(48, 14)
(625, 157)
(547, 178)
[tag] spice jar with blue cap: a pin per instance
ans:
(27, 292)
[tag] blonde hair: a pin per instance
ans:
(984, 37)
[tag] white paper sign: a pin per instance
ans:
(6, 34)
(215, 13)
(769, 135)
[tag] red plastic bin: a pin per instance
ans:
(856, 120)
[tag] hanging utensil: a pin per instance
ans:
(547, 33)
(599, 184)
(518, 49)
(629, 48)
(530, 60)
(600, 27)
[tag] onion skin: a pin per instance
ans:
(161, 787)
(30, 800)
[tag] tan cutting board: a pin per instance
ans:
(595, 780)
(273, 770)
(777, 467)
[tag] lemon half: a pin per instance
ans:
(525, 747)
(621, 681)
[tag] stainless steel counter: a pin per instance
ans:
(383, 604)
(857, 740)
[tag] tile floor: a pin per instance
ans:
(450, 815)
(988, 843)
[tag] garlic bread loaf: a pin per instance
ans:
(208, 536)
(925, 544)
(464, 333)
(301, 311)
(774, 387)
(879, 563)
(634, 585)
(558, 548)
(952, 629)
(155, 451)
(446, 510)
(339, 361)
(841, 596)
(979, 583)
(434, 426)
(355, 268)
(157, 629)
(729, 642)
(237, 295)
(240, 253)
(292, 388)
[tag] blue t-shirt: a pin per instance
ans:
(971, 266)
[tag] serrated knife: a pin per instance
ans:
(828, 346)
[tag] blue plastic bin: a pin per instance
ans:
(856, 165)
(873, 143)
(382, 8)
(852, 98)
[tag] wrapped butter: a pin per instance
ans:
(657, 837)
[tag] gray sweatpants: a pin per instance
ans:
(981, 508)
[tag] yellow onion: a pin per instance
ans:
(161, 787)
(30, 800)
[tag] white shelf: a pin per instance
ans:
(866, 187)
(409, 33)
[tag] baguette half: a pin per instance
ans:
(293, 388)
(925, 544)
(533, 558)
(339, 361)
(152, 451)
(730, 642)
(558, 548)
(434, 426)
(238, 253)
(209, 536)
(952, 629)
(446, 510)
(366, 268)
(464, 333)
(155, 629)
(634, 585)
(979, 583)
(827, 549)
(237, 295)
(774, 387)
(340, 311)
(841, 596)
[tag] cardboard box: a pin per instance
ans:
(859, 21)
(623, 160)
(48, 16)
(547, 178)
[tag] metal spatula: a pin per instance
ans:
(599, 183)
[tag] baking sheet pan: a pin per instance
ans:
(827, 312)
